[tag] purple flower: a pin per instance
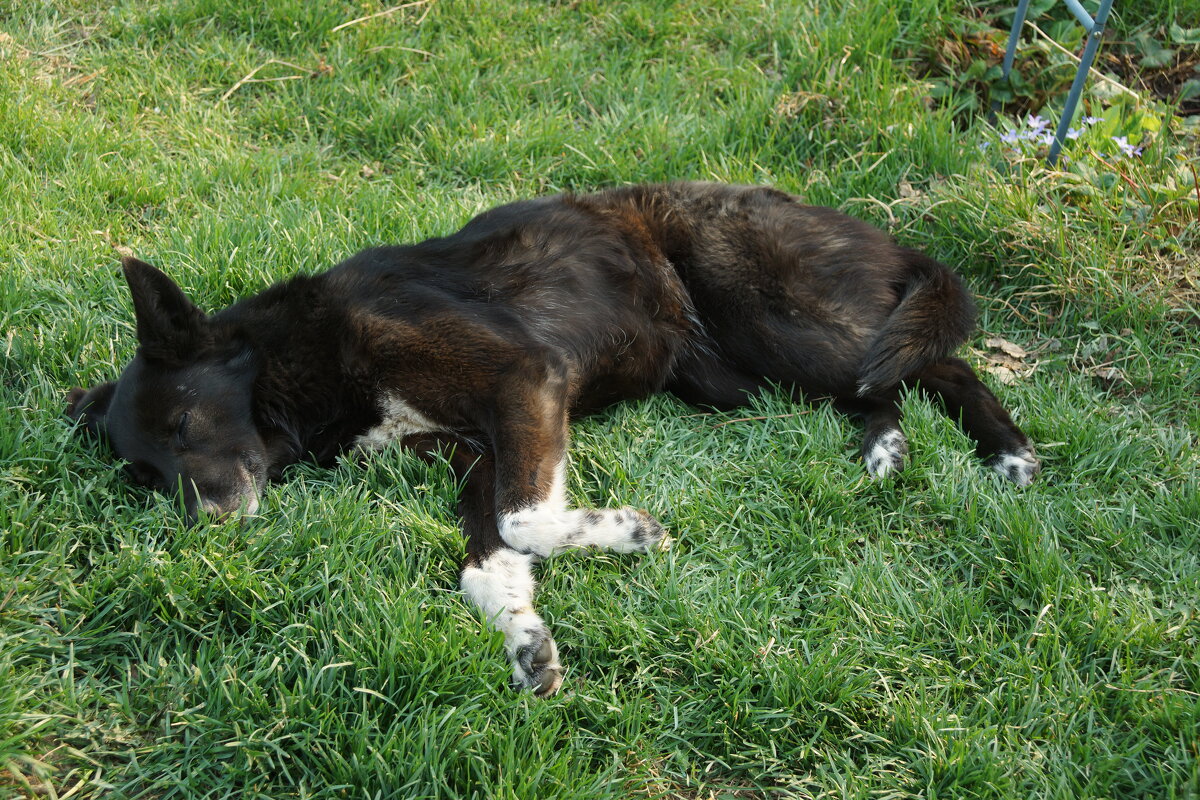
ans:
(1126, 148)
(1092, 120)
(1074, 133)
(1046, 138)
(984, 146)
(1009, 137)
(1038, 124)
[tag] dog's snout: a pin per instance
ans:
(211, 510)
(217, 495)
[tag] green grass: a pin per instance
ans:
(812, 633)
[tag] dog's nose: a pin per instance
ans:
(217, 497)
(212, 511)
(208, 511)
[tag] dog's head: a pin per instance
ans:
(181, 413)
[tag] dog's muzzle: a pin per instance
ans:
(219, 500)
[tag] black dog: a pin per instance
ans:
(480, 345)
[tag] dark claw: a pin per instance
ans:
(537, 665)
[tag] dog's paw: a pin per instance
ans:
(643, 532)
(884, 455)
(535, 664)
(1020, 467)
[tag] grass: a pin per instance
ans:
(811, 634)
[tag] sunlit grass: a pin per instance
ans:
(812, 633)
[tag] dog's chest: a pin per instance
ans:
(398, 419)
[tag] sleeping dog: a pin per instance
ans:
(480, 346)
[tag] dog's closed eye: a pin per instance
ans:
(181, 430)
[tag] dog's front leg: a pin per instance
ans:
(497, 579)
(530, 440)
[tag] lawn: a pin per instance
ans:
(812, 633)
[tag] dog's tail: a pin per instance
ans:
(935, 315)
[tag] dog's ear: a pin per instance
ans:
(91, 407)
(170, 328)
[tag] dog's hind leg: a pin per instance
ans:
(495, 578)
(884, 444)
(707, 380)
(703, 379)
(530, 440)
(1000, 443)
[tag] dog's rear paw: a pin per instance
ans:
(884, 454)
(536, 666)
(1020, 467)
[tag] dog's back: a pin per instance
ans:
(801, 293)
(635, 289)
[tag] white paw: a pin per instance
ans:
(1019, 467)
(641, 532)
(886, 454)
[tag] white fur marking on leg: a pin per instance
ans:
(886, 454)
(501, 587)
(1018, 467)
(545, 531)
(558, 489)
(550, 527)
(398, 419)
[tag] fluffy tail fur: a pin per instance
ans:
(935, 315)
